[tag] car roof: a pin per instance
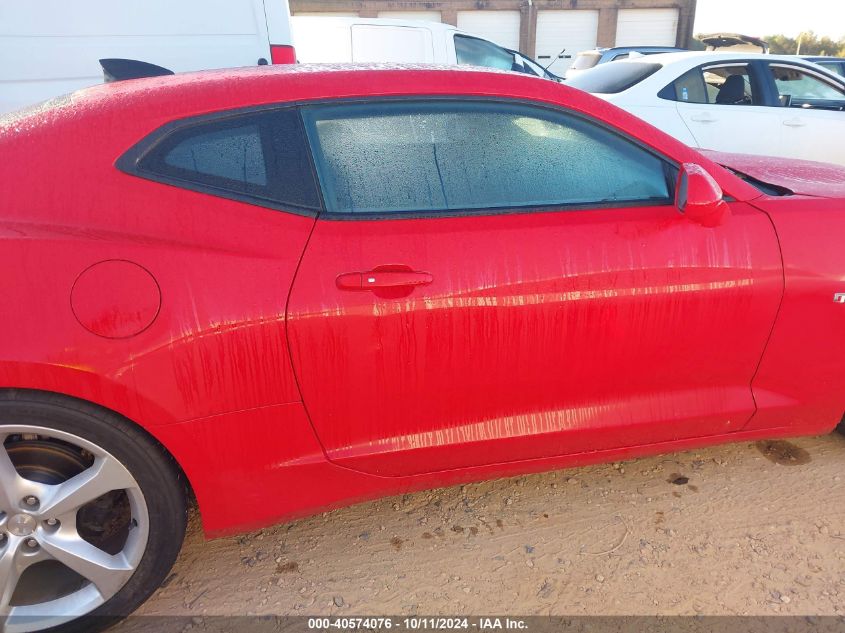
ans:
(705, 56)
(295, 73)
(618, 49)
(644, 47)
(192, 93)
(691, 59)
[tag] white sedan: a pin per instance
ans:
(776, 105)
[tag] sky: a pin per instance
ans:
(771, 17)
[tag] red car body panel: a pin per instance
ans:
(276, 391)
(517, 353)
(804, 177)
(810, 331)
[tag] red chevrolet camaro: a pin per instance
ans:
(290, 289)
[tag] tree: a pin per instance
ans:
(809, 42)
(782, 44)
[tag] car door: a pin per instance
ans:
(495, 281)
(812, 113)
(723, 106)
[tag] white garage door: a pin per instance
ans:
(572, 29)
(428, 16)
(501, 27)
(647, 27)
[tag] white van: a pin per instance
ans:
(320, 39)
(52, 47)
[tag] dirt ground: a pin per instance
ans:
(740, 529)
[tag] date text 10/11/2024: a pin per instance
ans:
(417, 623)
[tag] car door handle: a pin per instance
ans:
(703, 118)
(383, 279)
(796, 122)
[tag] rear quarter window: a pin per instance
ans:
(231, 157)
(261, 157)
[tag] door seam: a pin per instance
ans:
(293, 367)
(774, 321)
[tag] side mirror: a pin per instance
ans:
(699, 197)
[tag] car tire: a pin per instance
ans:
(135, 523)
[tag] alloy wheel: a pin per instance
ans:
(73, 527)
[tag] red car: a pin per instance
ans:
(287, 289)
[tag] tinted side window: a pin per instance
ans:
(232, 157)
(440, 156)
(262, 155)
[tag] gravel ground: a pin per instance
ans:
(753, 529)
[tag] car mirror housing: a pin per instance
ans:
(699, 197)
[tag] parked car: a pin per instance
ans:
(52, 47)
(723, 42)
(733, 43)
(833, 64)
(776, 105)
(590, 59)
(329, 285)
(321, 39)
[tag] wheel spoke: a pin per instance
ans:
(11, 483)
(8, 577)
(108, 573)
(103, 476)
(12, 565)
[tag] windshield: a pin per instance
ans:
(583, 61)
(613, 78)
